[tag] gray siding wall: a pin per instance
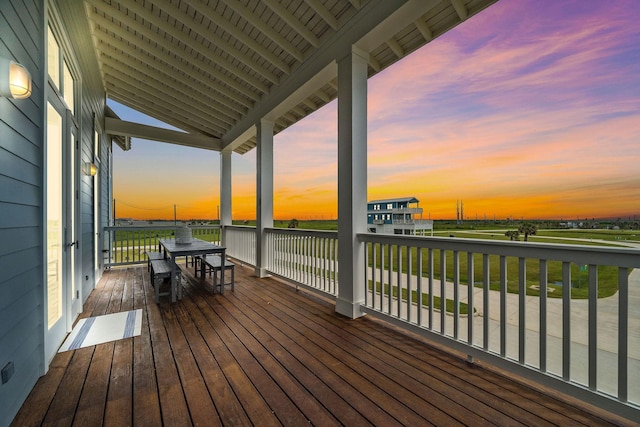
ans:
(21, 131)
(22, 35)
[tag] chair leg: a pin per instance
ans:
(156, 285)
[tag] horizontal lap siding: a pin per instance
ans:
(21, 287)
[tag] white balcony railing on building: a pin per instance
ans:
(305, 257)
(128, 244)
(587, 347)
(412, 211)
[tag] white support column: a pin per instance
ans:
(225, 194)
(352, 180)
(264, 192)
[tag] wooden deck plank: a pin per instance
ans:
(247, 395)
(289, 380)
(39, 400)
(201, 407)
(267, 354)
(63, 407)
(92, 401)
(330, 370)
(380, 356)
(391, 396)
(228, 407)
(278, 402)
(146, 405)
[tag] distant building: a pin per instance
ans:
(397, 216)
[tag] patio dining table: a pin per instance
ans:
(196, 247)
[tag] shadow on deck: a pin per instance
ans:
(266, 354)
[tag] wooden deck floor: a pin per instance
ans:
(268, 355)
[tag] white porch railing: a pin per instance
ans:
(306, 257)
(128, 244)
(588, 348)
(241, 243)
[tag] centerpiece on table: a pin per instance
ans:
(183, 236)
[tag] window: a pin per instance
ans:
(53, 59)
(68, 88)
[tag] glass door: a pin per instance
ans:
(63, 297)
(72, 247)
(57, 291)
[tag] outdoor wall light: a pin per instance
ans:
(15, 80)
(90, 169)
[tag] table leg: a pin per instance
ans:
(222, 272)
(174, 282)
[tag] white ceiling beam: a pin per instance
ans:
(322, 95)
(309, 103)
(461, 10)
(395, 47)
(424, 29)
(293, 22)
(264, 28)
(404, 15)
(158, 53)
(374, 63)
(137, 130)
(324, 13)
(232, 30)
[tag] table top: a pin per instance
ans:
(196, 247)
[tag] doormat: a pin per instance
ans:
(101, 329)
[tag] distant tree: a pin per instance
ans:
(513, 234)
(528, 229)
(293, 223)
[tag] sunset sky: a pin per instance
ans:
(531, 109)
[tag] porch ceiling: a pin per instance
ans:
(215, 67)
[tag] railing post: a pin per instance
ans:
(225, 195)
(352, 180)
(264, 196)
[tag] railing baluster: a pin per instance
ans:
(470, 292)
(593, 326)
(623, 338)
(443, 291)
(409, 273)
(543, 315)
(456, 293)
(419, 284)
(522, 302)
(382, 260)
(566, 320)
(431, 263)
(485, 301)
(503, 305)
(390, 278)
(399, 280)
